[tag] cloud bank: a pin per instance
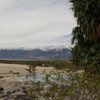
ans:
(35, 23)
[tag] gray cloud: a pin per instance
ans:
(34, 23)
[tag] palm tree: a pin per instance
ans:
(88, 18)
(86, 35)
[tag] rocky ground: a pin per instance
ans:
(11, 86)
(13, 89)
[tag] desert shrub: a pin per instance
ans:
(66, 86)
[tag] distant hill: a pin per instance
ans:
(36, 54)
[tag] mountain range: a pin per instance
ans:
(36, 54)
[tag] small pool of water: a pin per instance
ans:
(43, 77)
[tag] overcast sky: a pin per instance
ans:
(35, 23)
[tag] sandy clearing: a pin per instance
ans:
(9, 69)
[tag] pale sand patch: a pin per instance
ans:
(44, 69)
(10, 69)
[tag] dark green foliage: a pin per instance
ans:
(86, 35)
(88, 18)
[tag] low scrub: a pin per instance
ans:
(66, 86)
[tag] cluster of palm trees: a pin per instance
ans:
(86, 35)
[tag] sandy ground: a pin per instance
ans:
(5, 68)
(13, 69)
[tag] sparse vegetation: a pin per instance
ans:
(71, 86)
